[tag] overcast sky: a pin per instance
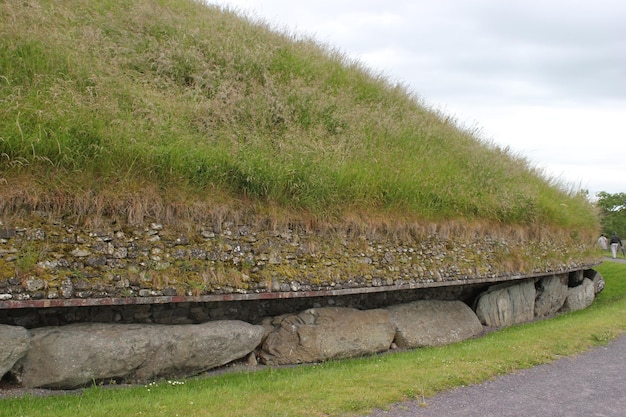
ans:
(545, 78)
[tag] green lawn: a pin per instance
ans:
(354, 387)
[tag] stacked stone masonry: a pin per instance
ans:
(51, 260)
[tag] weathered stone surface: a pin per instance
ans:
(551, 294)
(433, 323)
(320, 334)
(14, 343)
(77, 355)
(598, 280)
(580, 297)
(504, 306)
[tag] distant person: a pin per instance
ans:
(603, 242)
(615, 244)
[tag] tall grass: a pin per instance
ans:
(353, 387)
(194, 98)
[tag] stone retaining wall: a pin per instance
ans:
(44, 259)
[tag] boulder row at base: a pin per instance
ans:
(76, 355)
(80, 354)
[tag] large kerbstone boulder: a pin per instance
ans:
(14, 343)
(551, 294)
(580, 297)
(320, 334)
(433, 323)
(80, 354)
(508, 305)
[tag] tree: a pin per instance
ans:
(613, 213)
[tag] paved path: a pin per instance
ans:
(618, 259)
(591, 384)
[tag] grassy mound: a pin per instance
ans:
(172, 106)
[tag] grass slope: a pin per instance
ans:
(156, 105)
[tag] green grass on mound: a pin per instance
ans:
(188, 102)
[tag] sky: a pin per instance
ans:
(547, 79)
